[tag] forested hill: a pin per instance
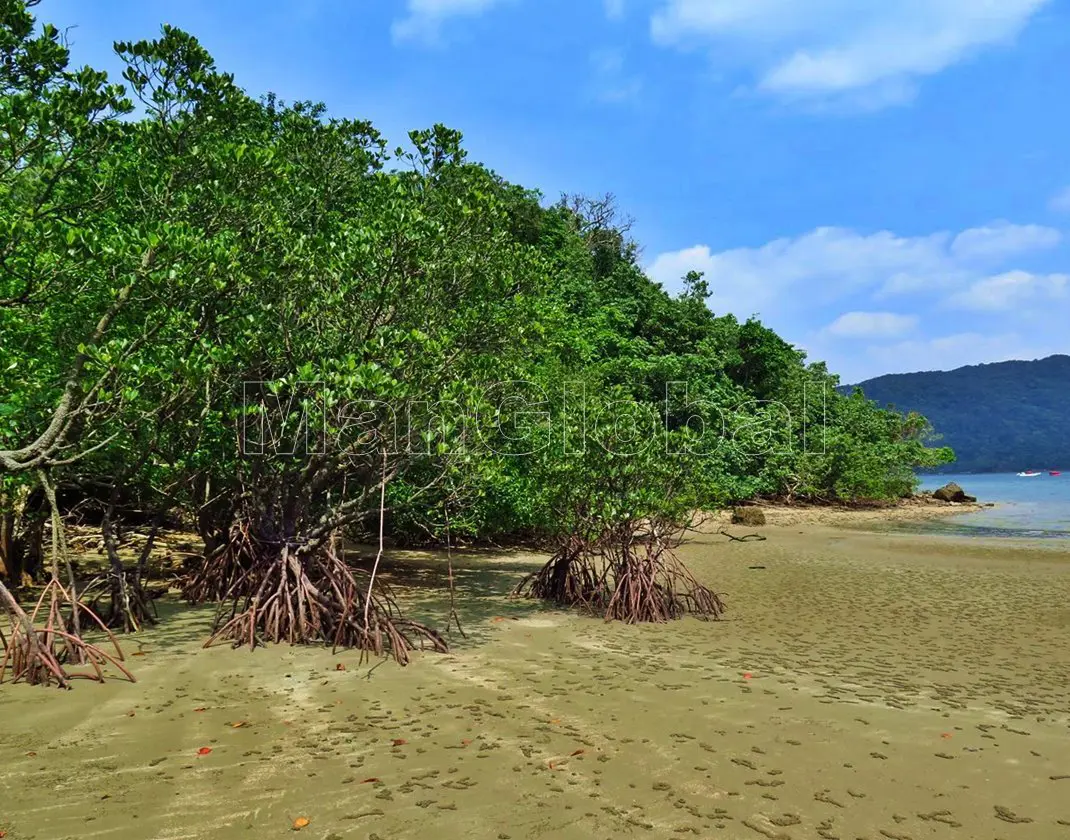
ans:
(999, 417)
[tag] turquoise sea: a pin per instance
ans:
(1025, 507)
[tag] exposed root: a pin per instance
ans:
(222, 568)
(129, 606)
(653, 585)
(44, 655)
(630, 573)
(297, 594)
(576, 576)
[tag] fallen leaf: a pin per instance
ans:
(3, 834)
(31, 755)
(747, 675)
(372, 779)
(577, 752)
(399, 742)
(301, 822)
(946, 735)
(204, 751)
(238, 725)
(555, 720)
(140, 653)
(339, 667)
(497, 618)
(466, 741)
(201, 709)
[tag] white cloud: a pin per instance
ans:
(1011, 290)
(1002, 239)
(945, 353)
(872, 325)
(425, 17)
(829, 263)
(1060, 202)
(825, 262)
(822, 289)
(820, 47)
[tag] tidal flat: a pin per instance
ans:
(861, 685)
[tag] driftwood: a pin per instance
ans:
(744, 538)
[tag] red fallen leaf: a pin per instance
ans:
(3, 834)
(339, 667)
(466, 741)
(372, 779)
(747, 675)
(577, 752)
(301, 822)
(238, 725)
(204, 751)
(497, 618)
(946, 735)
(399, 742)
(551, 765)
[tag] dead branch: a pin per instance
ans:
(744, 538)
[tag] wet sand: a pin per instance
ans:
(862, 686)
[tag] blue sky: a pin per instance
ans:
(885, 184)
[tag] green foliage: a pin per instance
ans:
(154, 266)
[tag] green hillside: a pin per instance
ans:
(998, 417)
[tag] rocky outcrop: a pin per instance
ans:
(951, 492)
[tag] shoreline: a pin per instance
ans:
(859, 685)
(914, 509)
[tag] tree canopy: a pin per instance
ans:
(264, 320)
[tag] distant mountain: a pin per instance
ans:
(1001, 417)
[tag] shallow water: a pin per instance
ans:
(1036, 508)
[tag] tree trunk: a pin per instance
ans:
(122, 610)
(30, 549)
(7, 536)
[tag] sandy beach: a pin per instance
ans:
(863, 685)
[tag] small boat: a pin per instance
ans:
(1029, 474)
(1054, 472)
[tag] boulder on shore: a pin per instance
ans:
(751, 516)
(951, 492)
